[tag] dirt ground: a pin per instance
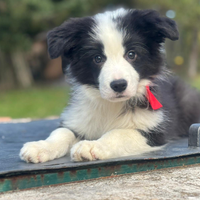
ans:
(177, 183)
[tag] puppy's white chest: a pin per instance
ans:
(93, 118)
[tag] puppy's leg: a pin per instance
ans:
(56, 145)
(116, 143)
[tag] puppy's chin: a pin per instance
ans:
(117, 98)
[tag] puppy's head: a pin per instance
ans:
(117, 53)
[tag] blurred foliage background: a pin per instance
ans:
(32, 85)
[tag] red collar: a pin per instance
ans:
(155, 104)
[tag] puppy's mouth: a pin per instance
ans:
(119, 97)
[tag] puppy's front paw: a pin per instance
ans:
(88, 150)
(36, 152)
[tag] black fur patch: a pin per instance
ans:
(145, 31)
(68, 36)
(154, 137)
(73, 42)
(83, 68)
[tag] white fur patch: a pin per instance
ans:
(116, 143)
(56, 145)
(93, 116)
(116, 66)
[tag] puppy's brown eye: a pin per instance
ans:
(131, 55)
(98, 59)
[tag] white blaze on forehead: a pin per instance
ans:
(106, 31)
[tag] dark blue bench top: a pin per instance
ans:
(14, 135)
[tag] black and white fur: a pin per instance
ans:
(109, 59)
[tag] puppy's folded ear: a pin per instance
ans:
(150, 23)
(66, 36)
(57, 40)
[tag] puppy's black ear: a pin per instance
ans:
(66, 36)
(57, 39)
(158, 28)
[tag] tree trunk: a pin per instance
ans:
(22, 70)
(7, 77)
(193, 58)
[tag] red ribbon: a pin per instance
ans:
(155, 104)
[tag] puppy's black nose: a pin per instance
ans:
(118, 85)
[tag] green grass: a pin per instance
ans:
(34, 102)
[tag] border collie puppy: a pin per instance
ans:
(122, 103)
